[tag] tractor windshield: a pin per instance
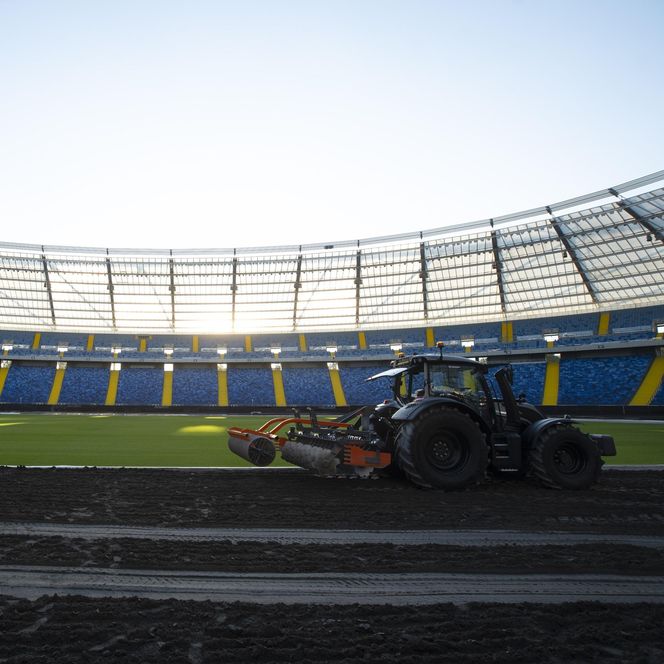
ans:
(464, 381)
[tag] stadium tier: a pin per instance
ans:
(570, 293)
(595, 380)
(638, 324)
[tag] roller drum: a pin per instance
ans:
(319, 459)
(258, 450)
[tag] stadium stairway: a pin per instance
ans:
(167, 389)
(56, 388)
(337, 387)
(551, 380)
(650, 384)
(222, 387)
(112, 392)
(278, 382)
(3, 377)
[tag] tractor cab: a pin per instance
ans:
(423, 377)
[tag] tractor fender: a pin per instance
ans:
(531, 434)
(415, 408)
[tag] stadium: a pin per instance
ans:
(563, 292)
(570, 295)
(331, 332)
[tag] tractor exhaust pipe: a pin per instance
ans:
(258, 450)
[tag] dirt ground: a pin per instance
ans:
(77, 629)
(623, 502)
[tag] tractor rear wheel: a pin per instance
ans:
(443, 448)
(564, 458)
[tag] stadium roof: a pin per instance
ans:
(563, 258)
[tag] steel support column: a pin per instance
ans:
(234, 290)
(171, 288)
(499, 268)
(297, 285)
(424, 275)
(358, 283)
(572, 254)
(47, 285)
(110, 288)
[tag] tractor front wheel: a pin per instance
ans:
(443, 448)
(562, 457)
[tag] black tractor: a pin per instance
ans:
(448, 424)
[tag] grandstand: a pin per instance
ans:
(571, 294)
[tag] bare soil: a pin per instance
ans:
(623, 502)
(77, 629)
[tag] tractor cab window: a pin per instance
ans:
(411, 385)
(461, 381)
(416, 384)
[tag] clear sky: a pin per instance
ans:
(154, 123)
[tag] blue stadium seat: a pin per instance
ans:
(602, 380)
(71, 340)
(195, 386)
(178, 341)
(17, 337)
(448, 333)
(641, 317)
(84, 385)
(250, 386)
(529, 380)
(140, 386)
(307, 386)
(28, 384)
(576, 323)
(360, 393)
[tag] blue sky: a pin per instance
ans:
(220, 124)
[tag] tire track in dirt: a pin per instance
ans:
(329, 588)
(474, 538)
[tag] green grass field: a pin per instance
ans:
(171, 440)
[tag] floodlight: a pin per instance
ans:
(168, 366)
(333, 366)
(275, 366)
(222, 367)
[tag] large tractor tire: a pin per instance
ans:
(443, 448)
(564, 458)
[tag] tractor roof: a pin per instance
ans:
(403, 364)
(437, 359)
